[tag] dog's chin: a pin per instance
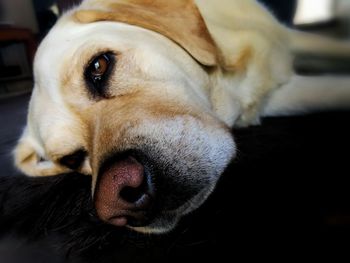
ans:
(167, 221)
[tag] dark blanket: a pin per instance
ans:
(286, 194)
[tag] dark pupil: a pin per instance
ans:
(99, 68)
(98, 72)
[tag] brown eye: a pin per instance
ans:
(97, 73)
(99, 67)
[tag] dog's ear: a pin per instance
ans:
(30, 161)
(178, 20)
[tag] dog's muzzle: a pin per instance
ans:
(149, 176)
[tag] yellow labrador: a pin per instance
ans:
(141, 95)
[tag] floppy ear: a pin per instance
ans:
(29, 161)
(178, 20)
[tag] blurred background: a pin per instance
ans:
(23, 23)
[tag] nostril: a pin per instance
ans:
(74, 160)
(132, 195)
(140, 197)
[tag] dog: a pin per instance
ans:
(142, 95)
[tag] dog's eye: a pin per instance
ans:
(99, 67)
(96, 73)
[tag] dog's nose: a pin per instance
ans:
(124, 193)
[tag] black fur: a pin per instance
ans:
(283, 193)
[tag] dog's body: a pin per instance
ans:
(141, 95)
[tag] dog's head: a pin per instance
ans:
(122, 94)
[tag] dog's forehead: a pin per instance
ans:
(69, 37)
(69, 40)
(70, 45)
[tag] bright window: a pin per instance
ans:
(313, 11)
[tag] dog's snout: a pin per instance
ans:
(124, 193)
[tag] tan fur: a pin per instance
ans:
(179, 20)
(111, 131)
(242, 62)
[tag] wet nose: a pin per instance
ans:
(124, 193)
